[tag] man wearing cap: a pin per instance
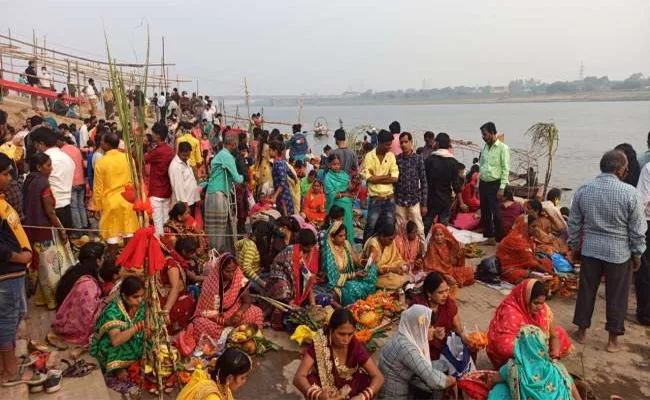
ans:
(381, 173)
(349, 161)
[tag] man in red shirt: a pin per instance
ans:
(160, 188)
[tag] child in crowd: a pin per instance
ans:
(109, 273)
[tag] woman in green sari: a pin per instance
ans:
(531, 373)
(337, 185)
(338, 262)
(119, 334)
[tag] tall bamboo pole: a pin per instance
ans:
(78, 85)
(34, 39)
(11, 58)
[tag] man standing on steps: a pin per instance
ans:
(160, 187)
(349, 160)
(381, 173)
(607, 229)
(411, 188)
(642, 276)
(442, 178)
(494, 162)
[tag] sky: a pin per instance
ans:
(327, 47)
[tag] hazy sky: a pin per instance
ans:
(293, 47)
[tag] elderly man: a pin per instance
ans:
(220, 218)
(607, 227)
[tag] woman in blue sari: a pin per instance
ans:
(531, 373)
(338, 262)
(337, 185)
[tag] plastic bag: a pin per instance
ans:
(456, 355)
(560, 264)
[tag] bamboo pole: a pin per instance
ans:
(248, 104)
(78, 85)
(11, 58)
(162, 69)
(96, 71)
(35, 47)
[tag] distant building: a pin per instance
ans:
(500, 90)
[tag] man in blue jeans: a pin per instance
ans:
(381, 173)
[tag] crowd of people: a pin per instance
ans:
(242, 212)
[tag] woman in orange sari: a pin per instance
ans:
(525, 305)
(548, 243)
(447, 256)
(517, 252)
(313, 205)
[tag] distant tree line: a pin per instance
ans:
(516, 87)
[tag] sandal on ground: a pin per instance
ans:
(24, 377)
(26, 360)
(53, 340)
(77, 352)
(35, 345)
(79, 369)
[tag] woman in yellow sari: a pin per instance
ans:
(230, 374)
(385, 253)
(263, 163)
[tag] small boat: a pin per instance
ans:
(320, 127)
(526, 192)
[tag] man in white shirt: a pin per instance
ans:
(84, 135)
(46, 78)
(162, 105)
(91, 93)
(62, 173)
(181, 175)
(208, 113)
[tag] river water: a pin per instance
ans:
(586, 129)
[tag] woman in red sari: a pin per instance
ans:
(336, 365)
(517, 252)
(470, 193)
(172, 281)
(182, 224)
(293, 274)
(225, 300)
(444, 311)
(525, 305)
(447, 256)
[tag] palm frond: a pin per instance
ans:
(544, 142)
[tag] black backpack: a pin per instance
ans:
(489, 270)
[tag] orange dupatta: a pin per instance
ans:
(448, 257)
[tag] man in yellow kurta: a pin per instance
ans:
(196, 159)
(112, 175)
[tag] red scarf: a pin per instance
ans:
(312, 265)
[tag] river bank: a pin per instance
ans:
(360, 100)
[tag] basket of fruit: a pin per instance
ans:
(243, 337)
